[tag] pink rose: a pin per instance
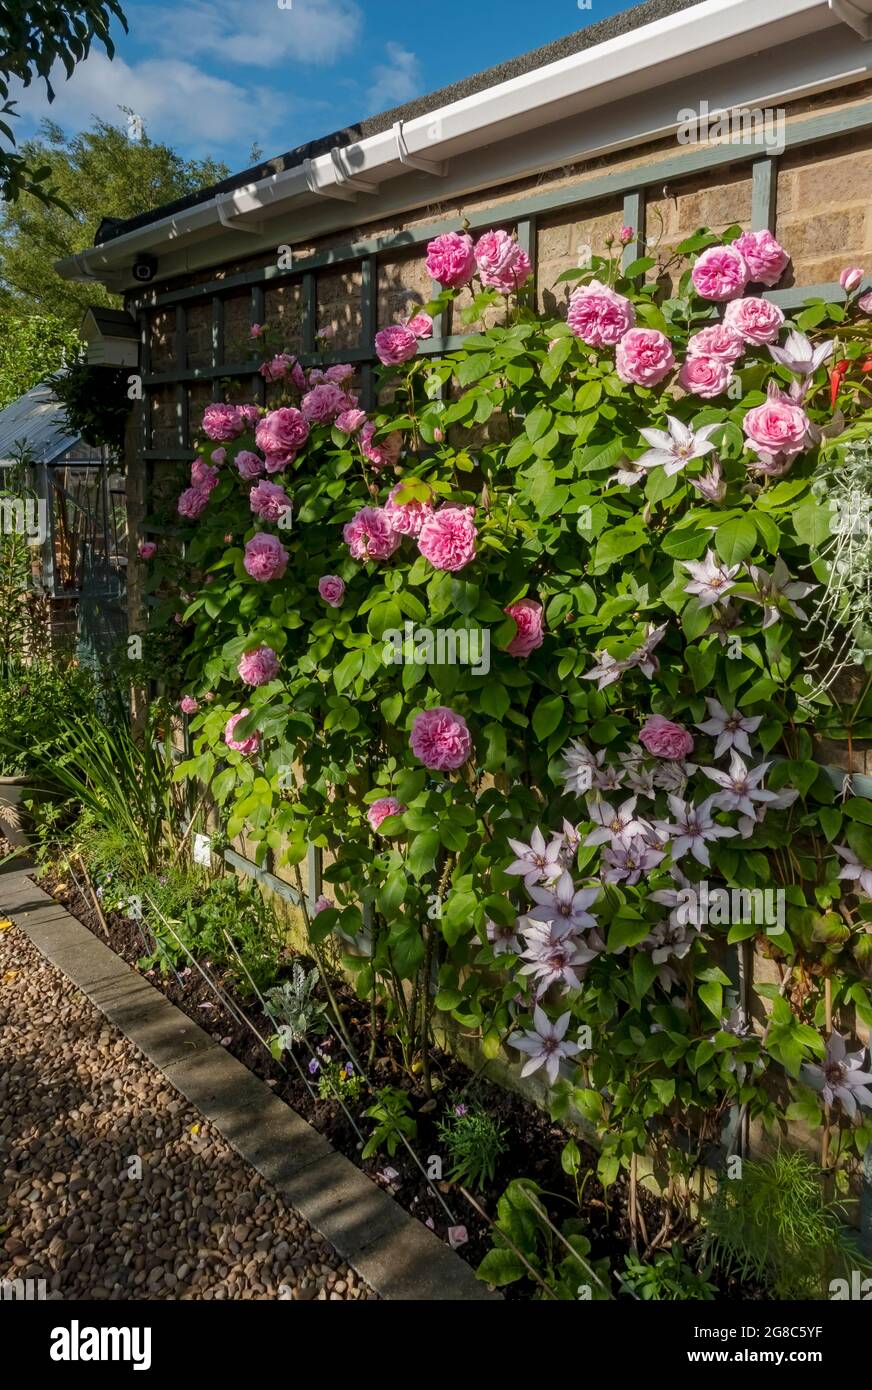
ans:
(705, 376)
(222, 422)
(440, 739)
(281, 434)
(192, 502)
(256, 330)
(250, 465)
(380, 810)
(188, 705)
(269, 501)
(765, 258)
(326, 332)
(332, 589)
(720, 273)
(528, 615)
(259, 667)
(421, 325)
(219, 455)
(350, 421)
(451, 259)
(248, 745)
(265, 557)
(278, 367)
(369, 535)
(664, 739)
(395, 344)
(850, 278)
(756, 320)
(778, 426)
(865, 303)
(249, 415)
(202, 476)
(644, 356)
(322, 904)
(447, 538)
(625, 236)
(502, 264)
(406, 517)
(383, 454)
(599, 316)
(339, 373)
(323, 403)
(146, 550)
(716, 341)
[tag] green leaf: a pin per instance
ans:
(547, 715)
(422, 853)
(735, 539)
(500, 1267)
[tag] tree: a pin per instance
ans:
(34, 35)
(31, 348)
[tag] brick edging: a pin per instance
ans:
(398, 1257)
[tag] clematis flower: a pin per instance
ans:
(606, 671)
(780, 802)
(854, 869)
(711, 485)
(611, 824)
(690, 829)
(841, 1077)
(569, 841)
(537, 862)
(711, 579)
(731, 730)
(674, 449)
(777, 589)
(643, 657)
(798, 355)
(545, 1044)
(552, 952)
(503, 938)
(740, 785)
(563, 903)
(628, 858)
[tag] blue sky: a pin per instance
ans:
(216, 76)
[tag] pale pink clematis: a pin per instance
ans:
(710, 579)
(612, 824)
(552, 952)
(537, 862)
(544, 1044)
(730, 729)
(690, 829)
(841, 1077)
(674, 449)
(564, 903)
(776, 591)
(741, 785)
(854, 869)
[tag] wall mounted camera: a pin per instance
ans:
(145, 268)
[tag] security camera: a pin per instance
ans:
(145, 268)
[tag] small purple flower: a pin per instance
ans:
(461, 1109)
(314, 1066)
(740, 784)
(731, 729)
(536, 861)
(612, 825)
(563, 902)
(628, 858)
(690, 828)
(841, 1077)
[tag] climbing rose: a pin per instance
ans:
(406, 517)
(720, 273)
(850, 278)
(447, 538)
(644, 356)
(259, 667)
(383, 454)
(323, 403)
(527, 614)
(380, 810)
(265, 557)
(369, 535)
(188, 705)
(249, 415)
(451, 259)
(664, 739)
(269, 501)
(765, 258)
(192, 502)
(421, 325)
(146, 550)
(219, 455)
(502, 264)
(281, 433)
(395, 344)
(776, 427)
(705, 376)
(599, 316)
(202, 476)
(248, 745)
(716, 341)
(250, 465)
(332, 589)
(350, 421)
(339, 373)
(756, 320)
(322, 904)
(223, 421)
(440, 739)
(278, 368)
(625, 236)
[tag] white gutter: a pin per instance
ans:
(690, 43)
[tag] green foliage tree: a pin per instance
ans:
(30, 348)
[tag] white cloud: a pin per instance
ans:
(255, 32)
(396, 81)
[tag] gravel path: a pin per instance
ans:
(111, 1185)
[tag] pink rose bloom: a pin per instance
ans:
(625, 236)
(716, 341)
(383, 454)
(705, 376)
(323, 403)
(644, 356)
(528, 615)
(447, 538)
(265, 557)
(322, 904)
(192, 502)
(440, 739)
(269, 501)
(720, 273)
(664, 739)
(278, 367)
(281, 434)
(202, 476)
(350, 421)
(146, 550)
(339, 373)
(369, 535)
(248, 745)
(222, 422)
(256, 330)
(451, 259)
(188, 705)
(850, 278)
(865, 303)
(756, 320)
(599, 316)
(778, 426)
(327, 331)
(219, 455)
(395, 344)
(765, 258)
(406, 517)
(259, 667)
(249, 415)
(332, 589)
(502, 264)
(421, 325)
(250, 465)
(380, 810)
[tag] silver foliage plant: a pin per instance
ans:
(294, 1008)
(843, 605)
